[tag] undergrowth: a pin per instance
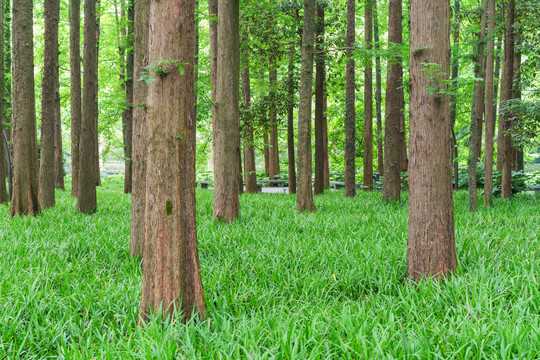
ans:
(278, 284)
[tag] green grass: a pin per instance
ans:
(278, 284)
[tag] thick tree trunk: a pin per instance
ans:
(290, 127)
(140, 91)
(171, 272)
(455, 70)
(368, 101)
(25, 172)
(489, 110)
(96, 89)
(75, 89)
(431, 249)
(58, 151)
(273, 151)
(6, 100)
(350, 111)
(86, 201)
(378, 92)
(318, 185)
(391, 190)
(304, 195)
(249, 151)
(128, 140)
(226, 127)
(48, 98)
(3, 162)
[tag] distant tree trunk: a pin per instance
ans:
(496, 80)
(273, 152)
(226, 127)
(171, 271)
(506, 94)
(86, 201)
(3, 163)
(51, 12)
(350, 110)
(58, 151)
(516, 94)
(326, 163)
(489, 110)
(368, 101)
(140, 91)
(128, 178)
(75, 90)
(391, 190)
(455, 70)
(378, 92)
(290, 126)
(318, 185)
(304, 196)
(249, 151)
(213, 33)
(25, 172)
(431, 249)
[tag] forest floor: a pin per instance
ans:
(278, 284)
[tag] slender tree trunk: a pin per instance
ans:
(350, 111)
(25, 172)
(48, 98)
(391, 190)
(96, 90)
(3, 163)
(249, 151)
(489, 110)
(86, 201)
(304, 196)
(506, 94)
(455, 71)
(496, 80)
(226, 127)
(6, 21)
(516, 94)
(171, 271)
(318, 185)
(290, 126)
(431, 249)
(140, 91)
(75, 90)
(128, 141)
(326, 163)
(368, 101)
(378, 92)
(58, 150)
(213, 33)
(273, 151)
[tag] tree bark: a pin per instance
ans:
(489, 110)
(391, 190)
(3, 162)
(326, 162)
(304, 195)
(455, 71)
(226, 126)
(171, 271)
(273, 151)
(213, 33)
(25, 172)
(140, 91)
(368, 101)
(96, 91)
(350, 110)
(518, 163)
(318, 185)
(431, 247)
(58, 150)
(290, 126)
(7, 113)
(75, 90)
(249, 151)
(378, 91)
(128, 141)
(86, 201)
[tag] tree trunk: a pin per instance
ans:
(368, 101)
(226, 127)
(431, 249)
(326, 162)
(506, 94)
(51, 10)
(140, 91)
(489, 110)
(171, 271)
(75, 90)
(378, 92)
(249, 151)
(455, 71)
(290, 126)
(496, 80)
(58, 150)
(304, 196)
(96, 90)
(318, 185)
(391, 190)
(128, 177)
(350, 110)
(518, 163)
(7, 113)
(86, 201)
(213, 33)
(3, 162)
(273, 153)
(25, 172)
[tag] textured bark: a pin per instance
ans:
(140, 91)
(75, 89)
(171, 271)
(496, 81)
(96, 109)
(506, 94)
(213, 33)
(51, 10)
(128, 112)
(3, 162)
(226, 127)
(378, 92)
(431, 249)
(86, 200)
(489, 109)
(320, 74)
(6, 99)
(266, 151)
(368, 101)
(273, 151)
(249, 151)
(290, 127)
(304, 195)
(517, 152)
(25, 172)
(58, 150)
(391, 190)
(455, 71)
(350, 111)
(326, 163)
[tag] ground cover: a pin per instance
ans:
(278, 284)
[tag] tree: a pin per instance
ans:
(58, 150)
(368, 101)
(320, 75)
(86, 201)
(171, 274)
(25, 172)
(273, 151)
(350, 111)
(140, 91)
(489, 110)
(48, 104)
(378, 91)
(226, 127)
(431, 247)
(455, 70)
(249, 151)
(75, 89)
(3, 163)
(128, 112)
(391, 190)
(290, 125)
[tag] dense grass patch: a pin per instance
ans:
(278, 284)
